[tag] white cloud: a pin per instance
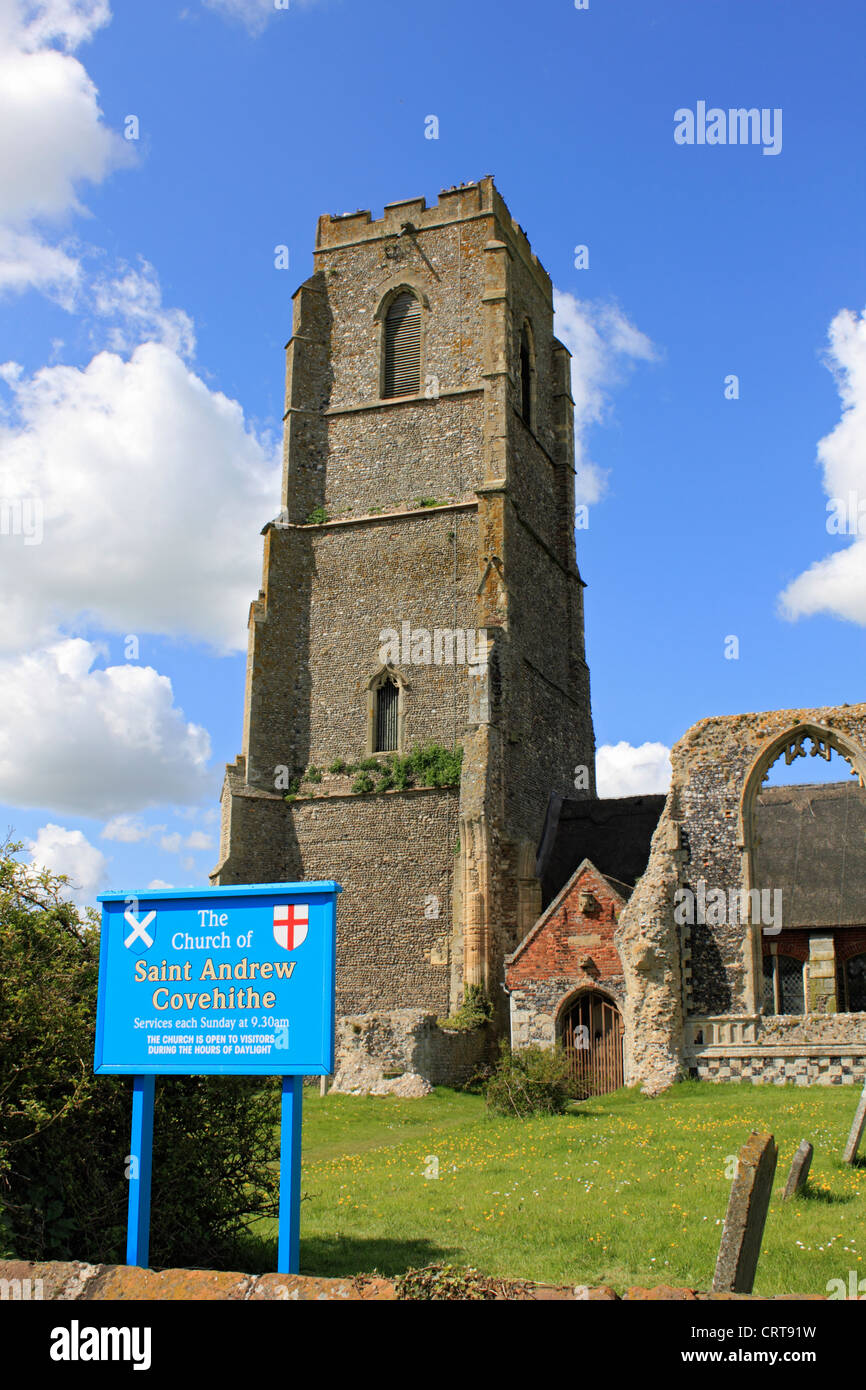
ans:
(134, 297)
(70, 852)
(71, 22)
(27, 262)
(129, 830)
(94, 742)
(175, 842)
(837, 584)
(159, 883)
(149, 486)
(255, 14)
(603, 343)
(199, 840)
(52, 136)
(625, 770)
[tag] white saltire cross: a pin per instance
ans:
(139, 929)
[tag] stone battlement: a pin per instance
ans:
(457, 204)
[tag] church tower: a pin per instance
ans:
(420, 588)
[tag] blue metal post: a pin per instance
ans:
(288, 1253)
(141, 1162)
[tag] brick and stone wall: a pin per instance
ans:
(396, 1049)
(393, 853)
(805, 1049)
(75, 1281)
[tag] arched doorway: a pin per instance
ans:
(591, 1030)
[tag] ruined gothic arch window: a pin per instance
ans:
(401, 345)
(527, 375)
(799, 742)
(385, 711)
(802, 822)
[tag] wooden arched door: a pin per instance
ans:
(591, 1033)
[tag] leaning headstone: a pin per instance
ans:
(748, 1205)
(799, 1171)
(856, 1131)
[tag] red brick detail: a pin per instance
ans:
(848, 941)
(573, 935)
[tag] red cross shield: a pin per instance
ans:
(290, 924)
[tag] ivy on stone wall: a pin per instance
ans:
(432, 765)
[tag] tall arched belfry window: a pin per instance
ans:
(402, 366)
(385, 733)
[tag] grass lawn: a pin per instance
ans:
(622, 1190)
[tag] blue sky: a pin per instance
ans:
(144, 321)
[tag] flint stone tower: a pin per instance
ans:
(422, 369)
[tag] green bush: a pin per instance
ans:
(474, 1012)
(431, 766)
(318, 517)
(338, 766)
(434, 766)
(65, 1133)
(293, 788)
(530, 1081)
(313, 774)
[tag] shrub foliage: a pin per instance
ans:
(530, 1081)
(474, 1012)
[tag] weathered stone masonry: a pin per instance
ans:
(352, 553)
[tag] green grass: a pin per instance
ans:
(622, 1190)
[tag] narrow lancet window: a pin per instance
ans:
(387, 702)
(402, 373)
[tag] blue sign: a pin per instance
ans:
(218, 980)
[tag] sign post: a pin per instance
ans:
(290, 1175)
(140, 1164)
(217, 981)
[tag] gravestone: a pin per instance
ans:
(856, 1130)
(748, 1205)
(799, 1171)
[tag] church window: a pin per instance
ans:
(402, 366)
(851, 985)
(784, 991)
(387, 705)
